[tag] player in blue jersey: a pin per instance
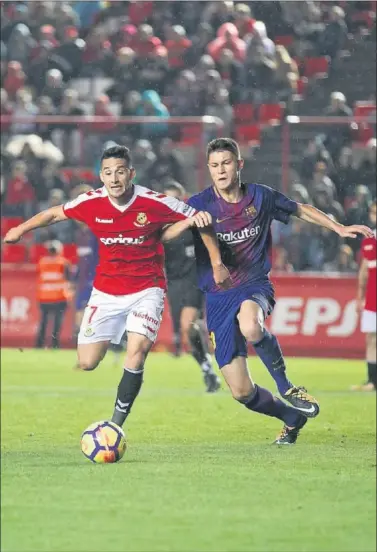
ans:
(242, 215)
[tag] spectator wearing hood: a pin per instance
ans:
(20, 16)
(185, 98)
(87, 12)
(131, 104)
(314, 152)
(324, 200)
(286, 76)
(54, 86)
(153, 106)
(227, 37)
(260, 63)
(143, 157)
(339, 135)
(23, 107)
(70, 53)
(344, 176)
(358, 213)
(220, 107)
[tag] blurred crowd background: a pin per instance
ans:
(250, 64)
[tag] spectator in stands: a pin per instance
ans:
(333, 38)
(67, 136)
(6, 109)
(222, 109)
(323, 199)
(153, 106)
(70, 53)
(344, 261)
(143, 157)
(23, 107)
(126, 74)
(168, 165)
(217, 13)
(20, 15)
(45, 107)
(199, 43)
(209, 88)
(54, 86)
(21, 43)
(64, 231)
(260, 64)
(344, 176)
(243, 20)
(14, 79)
(145, 42)
(367, 168)
(227, 37)
(232, 74)
(153, 70)
(298, 246)
(185, 99)
(281, 262)
(19, 194)
(130, 108)
(339, 135)
(321, 178)
(125, 37)
(285, 76)
(306, 18)
(177, 45)
(65, 17)
(359, 211)
(87, 13)
(54, 273)
(315, 152)
(97, 57)
(323, 245)
(50, 179)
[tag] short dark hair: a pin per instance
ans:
(119, 152)
(223, 144)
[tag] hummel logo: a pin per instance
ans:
(105, 221)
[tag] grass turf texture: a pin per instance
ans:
(200, 473)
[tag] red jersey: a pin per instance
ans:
(130, 256)
(369, 253)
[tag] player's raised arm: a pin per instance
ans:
(309, 213)
(44, 218)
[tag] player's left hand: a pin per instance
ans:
(354, 230)
(222, 277)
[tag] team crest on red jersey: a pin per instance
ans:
(141, 220)
(251, 211)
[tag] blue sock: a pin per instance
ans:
(262, 401)
(268, 350)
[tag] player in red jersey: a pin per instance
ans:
(130, 223)
(367, 301)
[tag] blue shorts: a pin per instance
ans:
(222, 309)
(82, 297)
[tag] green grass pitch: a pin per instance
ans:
(200, 473)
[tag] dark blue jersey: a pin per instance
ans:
(243, 230)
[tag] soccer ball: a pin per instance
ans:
(103, 442)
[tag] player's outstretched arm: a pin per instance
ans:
(173, 231)
(309, 213)
(44, 218)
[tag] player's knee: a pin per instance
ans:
(135, 359)
(87, 366)
(252, 331)
(243, 394)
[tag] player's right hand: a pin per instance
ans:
(202, 219)
(13, 235)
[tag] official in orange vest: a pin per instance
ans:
(53, 291)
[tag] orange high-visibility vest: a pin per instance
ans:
(52, 282)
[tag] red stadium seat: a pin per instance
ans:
(365, 16)
(248, 134)
(36, 251)
(284, 40)
(364, 133)
(16, 253)
(70, 252)
(8, 222)
(316, 67)
(190, 134)
(243, 113)
(363, 109)
(271, 114)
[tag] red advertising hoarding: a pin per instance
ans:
(314, 315)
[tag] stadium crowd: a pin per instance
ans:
(172, 59)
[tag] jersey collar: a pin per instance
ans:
(121, 208)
